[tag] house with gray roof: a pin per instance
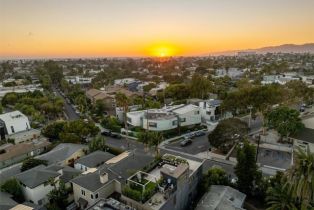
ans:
(92, 160)
(221, 197)
(6, 201)
(108, 178)
(35, 181)
(64, 154)
(304, 139)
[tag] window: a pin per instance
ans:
(83, 192)
(12, 129)
(175, 122)
(91, 196)
(182, 119)
(208, 113)
(129, 120)
(196, 112)
(96, 195)
(152, 124)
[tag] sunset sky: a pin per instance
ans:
(95, 28)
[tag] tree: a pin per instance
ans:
(54, 70)
(111, 123)
(215, 176)
(99, 107)
(178, 91)
(31, 163)
(9, 99)
(246, 168)
(97, 143)
(200, 86)
(53, 130)
(300, 179)
(227, 132)
(123, 101)
(13, 187)
(154, 139)
(144, 138)
(58, 197)
(279, 197)
(285, 120)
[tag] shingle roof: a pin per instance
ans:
(61, 152)
(133, 162)
(119, 171)
(306, 134)
(67, 172)
(91, 181)
(95, 159)
(36, 176)
(6, 201)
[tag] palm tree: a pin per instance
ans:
(154, 139)
(144, 138)
(279, 198)
(301, 177)
(123, 101)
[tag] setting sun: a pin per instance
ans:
(163, 50)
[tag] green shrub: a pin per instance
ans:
(133, 194)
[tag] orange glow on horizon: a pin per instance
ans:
(162, 50)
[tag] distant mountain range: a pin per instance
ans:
(285, 48)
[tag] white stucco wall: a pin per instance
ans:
(38, 193)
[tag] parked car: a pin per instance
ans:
(186, 142)
(106, 132)
(199, 133)
(190, 135)
(116, 135)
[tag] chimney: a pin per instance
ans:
(103, 177)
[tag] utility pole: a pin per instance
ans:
(250, 108)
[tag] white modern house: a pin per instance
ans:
(124, 81)
(78, 80)
(166, 118)
(278, 79)
(208, 109)
(13, 122)
(20, 89)
(159, 120)
(188, 115)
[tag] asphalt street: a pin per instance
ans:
(199, 144)
(68, 109)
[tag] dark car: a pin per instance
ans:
(190, 135)
(115, 135)
(199, 133)
(186, 142)
(106, 133)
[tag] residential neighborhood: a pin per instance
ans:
(136, 143)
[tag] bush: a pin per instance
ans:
(13, 187)
(114, 150)
(31, 163)
(133, 194)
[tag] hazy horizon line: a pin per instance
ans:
(216, 53)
